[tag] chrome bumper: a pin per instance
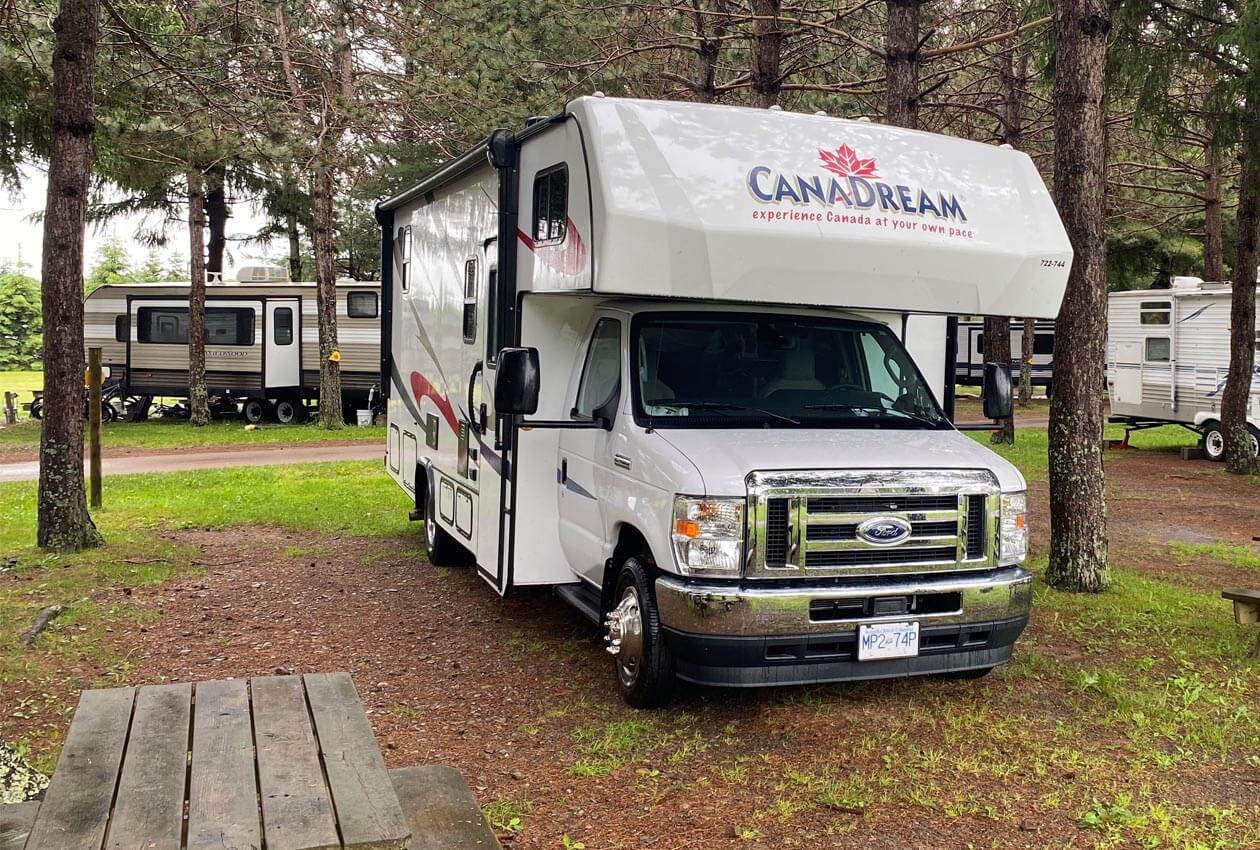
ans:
(767, 611)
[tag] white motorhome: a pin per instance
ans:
(1168, 357)
(651, 353)
(970, 371)
(262, 340)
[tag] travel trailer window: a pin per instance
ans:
(470, 301)
(362, 305)
(122, 328)
(726, 370)
(1158, 349)
(601, 373)
(1156, 312)
(283, 326)
(404, 252)
(169, 325)
(1043, 344)
(551, 202)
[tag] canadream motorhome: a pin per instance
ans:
(1168, 357)
(970, 371)
(262, 340)
(651, 353)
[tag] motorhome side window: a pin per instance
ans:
(470, 301)
(551, 203)
(362, 305)
(122, 328)
(169, 325)
(403, 248)
(601, 373)
(1158, 349)
(1156, 312)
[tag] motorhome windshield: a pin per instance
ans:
(715, 370)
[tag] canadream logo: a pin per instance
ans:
(853, 183)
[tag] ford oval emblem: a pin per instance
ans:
(885, 531)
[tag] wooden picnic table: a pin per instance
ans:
(282, 762)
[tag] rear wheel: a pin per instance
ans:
(641, 659)
(441, 549)
(1213, 442)
(254, 410)
(287, 412)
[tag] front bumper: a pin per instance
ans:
(748, 635)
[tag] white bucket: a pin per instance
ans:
(364, 417)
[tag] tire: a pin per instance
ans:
(37, 409)
(641, 659)
(287, 412)
(254, 410)
(440, 548)
(1213, 442)
(109, 413)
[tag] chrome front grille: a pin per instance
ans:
(807, 524)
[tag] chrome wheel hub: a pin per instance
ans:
(624, 634)
(1215, 443)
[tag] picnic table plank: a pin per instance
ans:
(363, 795)
(76, 806)
(222, 787)
(297, 810)
(149, 809)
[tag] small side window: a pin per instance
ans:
(402, 248)
(551, 204)
(362, 305)
(282, 326)
(1156, 312)
(470, 301)
(1043, 344)
(122, 328)
(601, 373)
(1158, 349)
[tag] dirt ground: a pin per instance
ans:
(519, 696)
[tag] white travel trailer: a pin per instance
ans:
(262, 340)
(651, 353)
(970, 371)
(1168, 357)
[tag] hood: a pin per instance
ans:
(725, 457)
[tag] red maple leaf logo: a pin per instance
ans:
(846, 163)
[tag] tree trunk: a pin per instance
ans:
(1213, 250)
(1239, 457)
(63, 521)
(217, 213)
(295, 245)
(198, 395)
(767, 44)
(1078, 508)
(997, 349)
(1026, 353)
(326, 299)
(901, 64)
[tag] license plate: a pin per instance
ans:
(888, 640)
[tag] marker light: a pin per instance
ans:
(1013, 529)
(708, 535)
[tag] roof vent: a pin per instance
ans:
(597, 93)
(262, 274)
(1183, 282)
(776, 108)
(865, 119)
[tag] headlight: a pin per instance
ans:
(708, 535)
(1013, 537)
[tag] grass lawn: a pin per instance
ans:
(23, 438)
(1029, 451)
(21, 383)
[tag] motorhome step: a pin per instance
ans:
(582, 597)
(441, 811)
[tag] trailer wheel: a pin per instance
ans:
(254, 410)
(1213, 442)
(641, 658)
(287, 412)
(440, 548)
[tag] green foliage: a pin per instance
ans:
(21, 322)
(111, 266)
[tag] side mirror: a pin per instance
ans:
(516, 382)
(997, 391)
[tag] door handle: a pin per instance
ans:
(476, 427)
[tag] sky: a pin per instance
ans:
(21, 237)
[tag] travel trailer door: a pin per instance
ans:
(282, 355)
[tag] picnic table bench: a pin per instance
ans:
(1246, 608)
(281, 762)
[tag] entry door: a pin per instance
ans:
(488, 438)
(282, 357)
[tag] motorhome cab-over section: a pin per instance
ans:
(671, 359)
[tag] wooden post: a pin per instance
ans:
(94, 427)
(10, 408)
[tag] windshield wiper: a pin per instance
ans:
(721, 406)
(882, 411)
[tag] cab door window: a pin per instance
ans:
(600, 386)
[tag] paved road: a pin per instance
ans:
(272, 455)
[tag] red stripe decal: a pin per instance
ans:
(421, 388)
(567, 257)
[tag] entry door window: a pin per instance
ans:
(601, 373)
(283, 324)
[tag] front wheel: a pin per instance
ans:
(254, 410)
(641, 658)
